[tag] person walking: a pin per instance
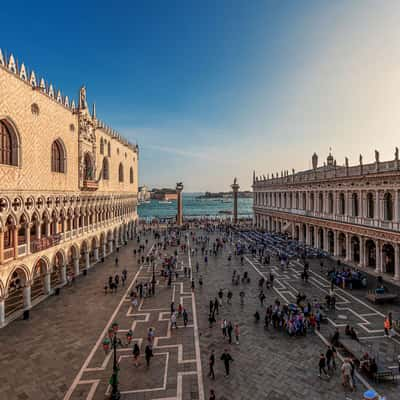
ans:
(241, 295)
(229, 296)
(212, 395)
(185, 317)
(322, 365)
(116, 261)
(223, 327)
(229, 329)
(173, 320)
(346, 374)
(148, 354)
(216, 306)
(136, 354)
(237, 332)
(227, 359)
(211, 362)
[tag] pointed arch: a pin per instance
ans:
(58, 156)
(120, 173)
(9, 143)
(131, 176)
(106, 169)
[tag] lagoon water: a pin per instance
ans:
(195, 207)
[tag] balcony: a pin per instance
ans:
(8, 253)
(90, 185)
(348, 219)
(44, 243)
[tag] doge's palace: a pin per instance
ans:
(68, 188)
(351, 212)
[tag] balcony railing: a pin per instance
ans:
(44, 243)
(349, 219)
(22, 249)
(90, 185)
(8, 253)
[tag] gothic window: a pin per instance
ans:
(388, 206)
(131, 175)
(370, 205)
(109, 149)
(57, 157)
(8, 145)
(106, 169)
(101, 146)
(121, 173)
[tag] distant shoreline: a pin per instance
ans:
(225, 195)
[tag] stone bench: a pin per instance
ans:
(381, 297)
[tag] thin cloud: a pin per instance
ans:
(206, 154)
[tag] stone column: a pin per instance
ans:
(2, 312)
(104, 249)
(76, 266)
(179, 203)
(64, 274)
(335, 244)
(396, 263)
(28, 238)
(378, 267)
(1, 246)
(362, 252)
(308, 234)
(15, 240)
(87, 259)
(47, 284)
(348, 248)
(396, 206)
(377, 206)
(110, 245)
(235, 189)
(96, 254)
(27, 297)
(326, 244)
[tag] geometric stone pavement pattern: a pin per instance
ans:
(49, 351)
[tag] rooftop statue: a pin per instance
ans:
(82, 98)
(376, 156)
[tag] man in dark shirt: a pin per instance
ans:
(226, 358)
(211, 362)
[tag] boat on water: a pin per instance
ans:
(165, 202)
(227, 212)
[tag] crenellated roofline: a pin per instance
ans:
(11, 65)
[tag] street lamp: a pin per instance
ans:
(115, 394)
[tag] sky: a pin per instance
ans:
(211, 90)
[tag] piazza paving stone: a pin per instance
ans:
(42, 358)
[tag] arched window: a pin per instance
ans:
(121, 172)
(109, 149)
(342, 204)
(106, 170)
(354, 204)
(388, 206)
(304, 201)
(370, 205)
(101, 146)
(57, 157)
(8, 145)
(321, 202)
(330, 203)
(131, 175)
(311, 201)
